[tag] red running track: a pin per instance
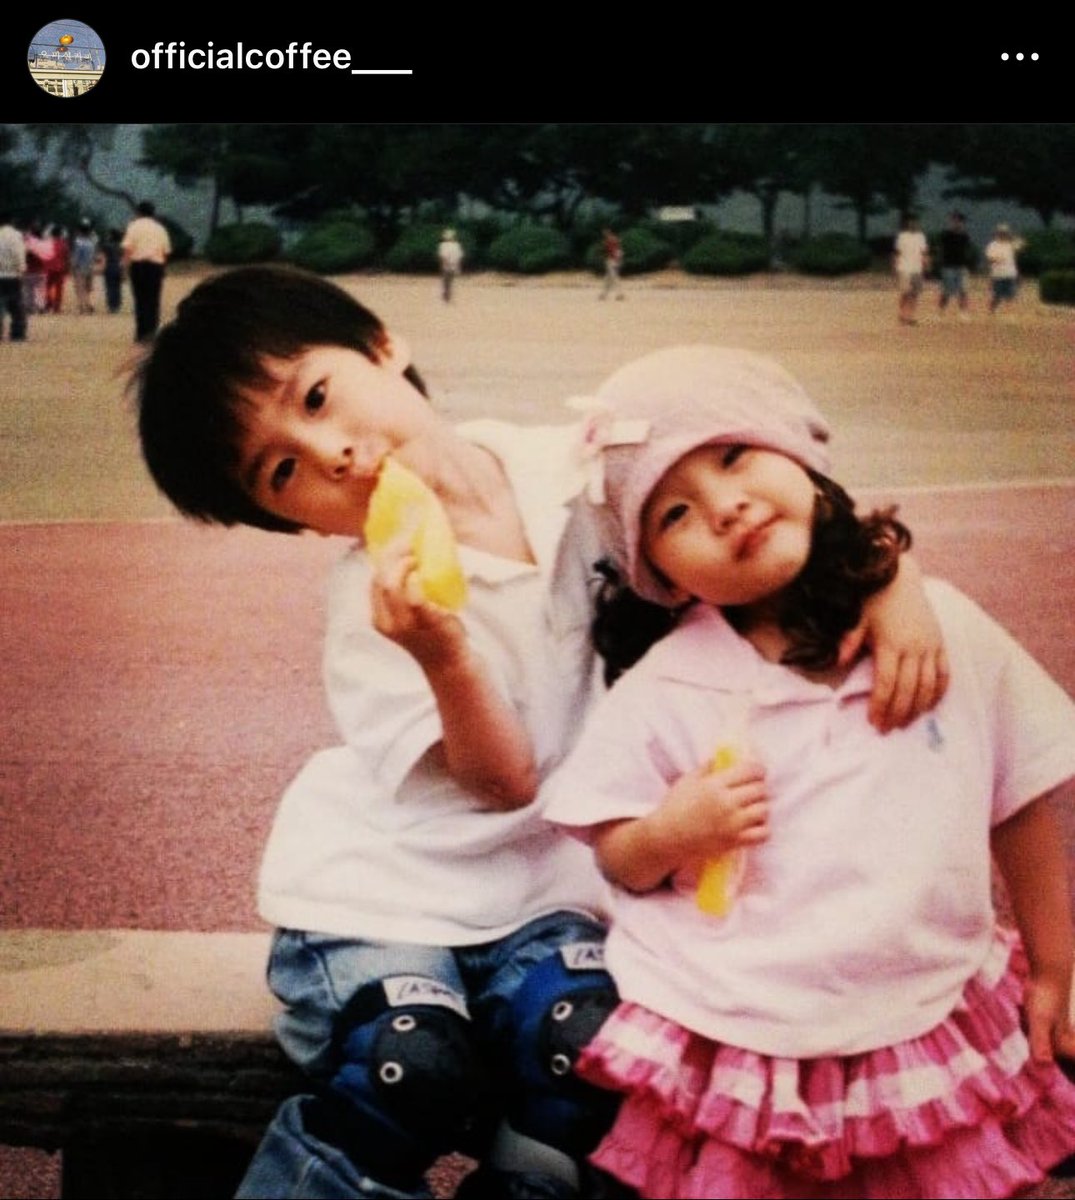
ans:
(162, 684)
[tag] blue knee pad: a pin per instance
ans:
(562, 1003)
(409, 1072)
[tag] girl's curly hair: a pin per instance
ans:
(851, 557)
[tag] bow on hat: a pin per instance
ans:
(602, 428)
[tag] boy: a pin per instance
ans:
(437, 949)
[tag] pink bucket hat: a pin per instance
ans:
(651, 412)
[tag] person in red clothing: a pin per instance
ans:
(57, 267)
(613, 251)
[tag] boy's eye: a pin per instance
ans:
(315, 397)
(282, 472)
(729, 455)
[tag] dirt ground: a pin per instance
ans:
(943, 402)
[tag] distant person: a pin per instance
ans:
(450, 256)
(83, 262)
(1000, 254)
(38, 251)
(12, 271)
(57, 268)
(146, 249)
(910, 260)
(612, 249)
(957, 258)
(112, 252)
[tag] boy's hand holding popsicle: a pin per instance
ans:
(418, 583)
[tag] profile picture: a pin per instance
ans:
(66, 58)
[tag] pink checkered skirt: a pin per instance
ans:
(959, 1112)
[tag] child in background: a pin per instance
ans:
(418, 893)
(853, 1025)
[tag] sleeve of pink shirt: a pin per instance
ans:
(617, 770)
(1032, 717)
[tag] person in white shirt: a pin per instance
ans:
(450, 256)
(146, 249)
(1001, 255)
(12, 270)
(910, 260)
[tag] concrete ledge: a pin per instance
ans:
(116, 1033)
(133, 981)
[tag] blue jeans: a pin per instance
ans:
(953, 283)
(505, 987)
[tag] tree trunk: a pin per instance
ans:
(214, 209)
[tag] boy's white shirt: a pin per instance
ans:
(372, 840)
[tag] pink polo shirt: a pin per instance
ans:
(869, 908)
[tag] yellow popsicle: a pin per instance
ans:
(403, 505)
(719, 881)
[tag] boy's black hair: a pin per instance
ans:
(188, 387)
(851, 557)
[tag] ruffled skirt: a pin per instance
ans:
(959, 1112)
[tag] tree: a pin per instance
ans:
(76, 146)
(767, 160)
(386, 170)
(875, 167)
(26, 196)
(1033, 165)
(247, 164)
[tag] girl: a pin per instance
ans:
(852, 1026)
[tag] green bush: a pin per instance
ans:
(476, 234)
(245, 243)
(680, 235)
(1047, 250)
(182, 242)
(530, 250)
(333, 247)
(642, 251)
(415, 251)
(1057, 287)
(831, 254)
(726, 253)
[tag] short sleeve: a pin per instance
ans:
(1035, 733)
(618, 769)
(1030, 719)
(379, 698)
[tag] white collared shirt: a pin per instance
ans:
(372, 839)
